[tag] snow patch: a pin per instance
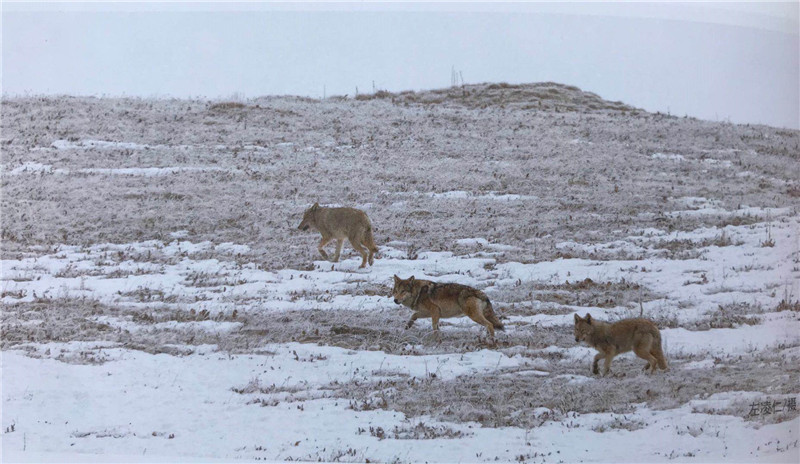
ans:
(35, 168)
(668, 156)
(464, 195)
(99, 144)
(149, 172)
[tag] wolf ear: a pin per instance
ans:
(411, 280)
(588, 318)
(577, 318)
(315, 207)
(396, 279)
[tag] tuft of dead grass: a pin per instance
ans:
(576, 293)
(226, 106)
(788, 305)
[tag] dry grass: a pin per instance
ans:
(583, 163)
(577, 293)
(260, 188)
(511, 400)
(225, 106)
(788, 305)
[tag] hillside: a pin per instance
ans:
(159, 302)
(591, 172)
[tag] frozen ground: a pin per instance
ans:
(159, 304)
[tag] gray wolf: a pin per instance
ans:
(340, 224)
(437, 300)
(639, 335)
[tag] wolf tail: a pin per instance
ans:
(369, 240)
(658, 352)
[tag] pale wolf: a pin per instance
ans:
(640, 335)
(435, 300)
(342, 223)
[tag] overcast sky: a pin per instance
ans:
(719, 61)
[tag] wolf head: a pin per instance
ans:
(309, 218)
(403, 291)
(583, 327)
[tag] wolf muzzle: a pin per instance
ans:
(396, 302)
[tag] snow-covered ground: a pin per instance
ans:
(185, 343)
(281, 402)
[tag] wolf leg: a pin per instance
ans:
(607, 364)
(339, 243)
(642, 350)
(435, 315)
(361, 250)
(472, 308)
(644, 353)
(414, 317)
(435, 319)
(595, 369)
(324, 241)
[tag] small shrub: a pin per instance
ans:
(787, 305)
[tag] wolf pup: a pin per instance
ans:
(435, 300)
(639, 335)
(342, 223)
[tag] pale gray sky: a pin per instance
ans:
(736, 61)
